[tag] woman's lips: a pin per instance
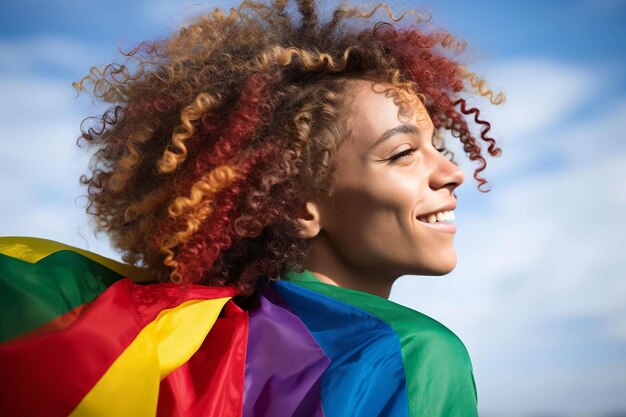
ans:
(445, 226)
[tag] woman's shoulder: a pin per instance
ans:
(409, 325)
(399, 355)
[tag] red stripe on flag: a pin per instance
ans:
(211, 382)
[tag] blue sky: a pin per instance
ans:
(538, 293)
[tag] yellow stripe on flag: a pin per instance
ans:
(130, 387)
(33, 249)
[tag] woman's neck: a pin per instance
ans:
(330, 268)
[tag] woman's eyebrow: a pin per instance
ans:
(403, 128)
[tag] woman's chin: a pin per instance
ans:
(437, 265)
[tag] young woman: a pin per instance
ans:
(277, 174)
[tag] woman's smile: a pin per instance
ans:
(441, 220)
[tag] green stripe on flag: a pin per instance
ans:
(34, 294)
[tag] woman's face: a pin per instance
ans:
(389, 177)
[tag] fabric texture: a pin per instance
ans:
(93, 337)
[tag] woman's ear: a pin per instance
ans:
(309, 220)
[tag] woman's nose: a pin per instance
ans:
(445, 173)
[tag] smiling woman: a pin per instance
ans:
(266, 178)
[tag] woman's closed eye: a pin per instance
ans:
(402, 155)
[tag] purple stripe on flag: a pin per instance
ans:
(284, 364)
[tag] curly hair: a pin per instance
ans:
(217, 134)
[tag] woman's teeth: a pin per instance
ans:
(442, 216)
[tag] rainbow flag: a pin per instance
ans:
(79, 337)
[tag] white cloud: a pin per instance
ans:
(539, 92)
(597, 392)
(40, 163)
(542, 94)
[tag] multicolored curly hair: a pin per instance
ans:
(216, 135)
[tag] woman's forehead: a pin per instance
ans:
(376, 107)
